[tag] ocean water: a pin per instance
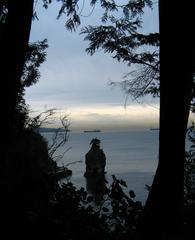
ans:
(131, 156)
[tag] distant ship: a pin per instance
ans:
(94, 130)
(154, 129)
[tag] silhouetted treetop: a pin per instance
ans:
(120, 34)
(123, 38)
(73, 9)
(35, 56)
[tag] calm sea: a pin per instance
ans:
(131, 156)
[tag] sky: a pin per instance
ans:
(77, 84)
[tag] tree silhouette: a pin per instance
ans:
(122, 38)
(164, 206)
(35, 56)
(15, 31)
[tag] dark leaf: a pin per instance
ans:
(132, 194)
(105, 209)
(89, 199)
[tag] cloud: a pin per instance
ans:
(115, 117)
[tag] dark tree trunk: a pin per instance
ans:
(164, 206)
(14, 42)
(14, 37)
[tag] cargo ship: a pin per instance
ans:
(94, 130)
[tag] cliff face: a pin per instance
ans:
(29, 170)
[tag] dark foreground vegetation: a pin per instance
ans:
(32, 203)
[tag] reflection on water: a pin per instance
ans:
(96, 186)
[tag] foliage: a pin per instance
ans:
(72, 214)
(3, 12)
(71, 9)
(120, 211)
(189, 173)
(35, 56)
(95, 141)
(192, 105)
(122, 37)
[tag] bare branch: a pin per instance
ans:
(59, 138)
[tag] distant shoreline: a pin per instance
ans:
(47, 130)
(53, 130)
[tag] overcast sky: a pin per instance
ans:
(77, 84)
